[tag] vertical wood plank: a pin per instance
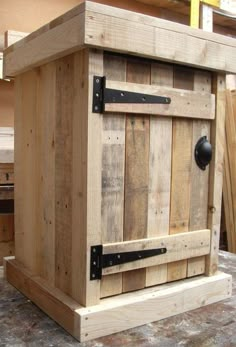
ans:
(216, 173)
(159, 173)
(181, 174)
(199, 181)
(79, 176)
(136, 174)
(63, 178)
(46, 158)
(113, 162)
(27, 237)
(94, 179)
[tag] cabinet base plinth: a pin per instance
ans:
(120, 312)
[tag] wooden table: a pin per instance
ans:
(23, 324)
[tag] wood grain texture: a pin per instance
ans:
(136, 174)
(94, 179)
(113, 165)
(179, 246)
(159, 173)
(152, 304)
(184, 103)
(27, 237)
(63, 177)
(79, 135)
(216, 173)
(114, 29)
(200, 179)
(181, 174)
(46, 158)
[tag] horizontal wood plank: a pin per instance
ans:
(184, 103)
(114, 29)
(128, 32)
(137, 308)
(180, 246)
(50, 45)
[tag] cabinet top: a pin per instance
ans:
(108, 28)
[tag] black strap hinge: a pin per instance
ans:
(103, 95)
(100, 261)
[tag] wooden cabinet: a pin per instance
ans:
(114, 196)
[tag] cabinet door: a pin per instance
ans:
(154, 194)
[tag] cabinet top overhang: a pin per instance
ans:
(108, 28)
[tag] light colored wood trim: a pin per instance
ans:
(180, 246)
(152, 304)
(124, 31)
(216, 174)
(108, 317)
(94, 178)
(50, 45)
(184, 103)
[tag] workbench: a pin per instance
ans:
(23, 324)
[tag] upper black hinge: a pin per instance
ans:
(103, 95)
(100, 261)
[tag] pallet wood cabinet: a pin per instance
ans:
(97, 178)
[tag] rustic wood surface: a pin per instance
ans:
(23, 324)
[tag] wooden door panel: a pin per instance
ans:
(151, 185)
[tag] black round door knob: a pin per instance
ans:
(203, 152)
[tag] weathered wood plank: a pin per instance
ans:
(181, 174)
(200, 179)
(113, 165)
(179, 246)
(136, 174)
(216, 173)
(184, 103)
(159, 173)
(115, 29)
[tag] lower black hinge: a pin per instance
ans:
(100, 261)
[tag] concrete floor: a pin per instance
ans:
(23, 324)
